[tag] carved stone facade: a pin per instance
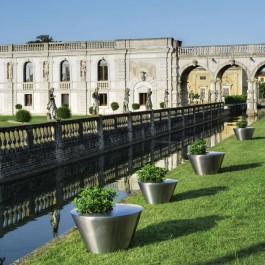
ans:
(76, 69)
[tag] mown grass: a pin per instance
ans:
(214, 219)
(9, 120)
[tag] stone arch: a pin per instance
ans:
(141, 88)
(257, 69)
(224, 66)
(182, 93)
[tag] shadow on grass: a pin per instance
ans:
(197, 193)
(173, 229)
(243, 253)
(239, 167)
(258, 138)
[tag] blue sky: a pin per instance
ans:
(194, 22)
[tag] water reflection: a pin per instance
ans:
(46, 197)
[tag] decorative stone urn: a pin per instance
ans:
(158, 192)
(109, 231)
(206, 164)
(244, 133)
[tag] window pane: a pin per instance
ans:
(142, 98)
(103, 100)
(103, 70)
(65, 99)
(28, 72)
(28, 100)
(65, 71)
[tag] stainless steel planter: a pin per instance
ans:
(207, 164)
(110, 231)
(161, 192)
(244, 133)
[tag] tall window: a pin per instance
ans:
(28, 72)
(65, 71)
(103, 99)
(142, 98)
(65, 99)
(28, 100)
(102, 70)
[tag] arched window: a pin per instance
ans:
(65, 71)
(102, 70)
(28, 72)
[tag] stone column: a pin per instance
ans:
(250, 99)
(213, 90)
(184, 95)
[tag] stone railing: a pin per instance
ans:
(103, 85)
(28, 86)
(58, 142)
(58, 46)
(222, 50)
(65, 85)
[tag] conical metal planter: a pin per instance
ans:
(110, 231)
(160, 192)
(208, 163)
(244, 133)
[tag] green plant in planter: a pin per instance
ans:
(135, 106)
(95, 200)
(114, 106)
(151, 173)
(198, 147)
(243, 123)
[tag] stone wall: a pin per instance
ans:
(35, 147)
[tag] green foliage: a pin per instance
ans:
(196, 96)
(243, 123)
(114, 106)
(42, 38)
(64, 112)
(18, 106)
(95, 200)
(151, 173)
(261, 90)
(135, 106)
(162, 105)
(198, 147)
(23, 115)
(90, 110)
(235, 99)
(65, 105)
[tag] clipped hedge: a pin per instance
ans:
(23, 115)
(135, 106)
(235, 99)
(64, 112)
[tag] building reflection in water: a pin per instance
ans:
(47, 193)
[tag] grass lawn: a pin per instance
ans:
(9, 120)
(213, 219)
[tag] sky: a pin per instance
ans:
(194, 22)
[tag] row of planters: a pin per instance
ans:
(106, 227)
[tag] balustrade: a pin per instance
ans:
(103, 85)
(65, 85)
(28, 86)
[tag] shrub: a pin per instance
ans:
(18, 106)
(95, 200)
(114, 106)
(196, 96)
(235, 99)
(243, 123)
(162, 105)
(23, 116)
(90, 110)
(151, 173)
(198, 147)
(64, 113)
(135, 106)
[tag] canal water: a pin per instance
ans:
(36, 209)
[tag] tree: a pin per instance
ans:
(261, 90)
(42, 39)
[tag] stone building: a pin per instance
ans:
(86, 74)
(233, 82)
(76, 69)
